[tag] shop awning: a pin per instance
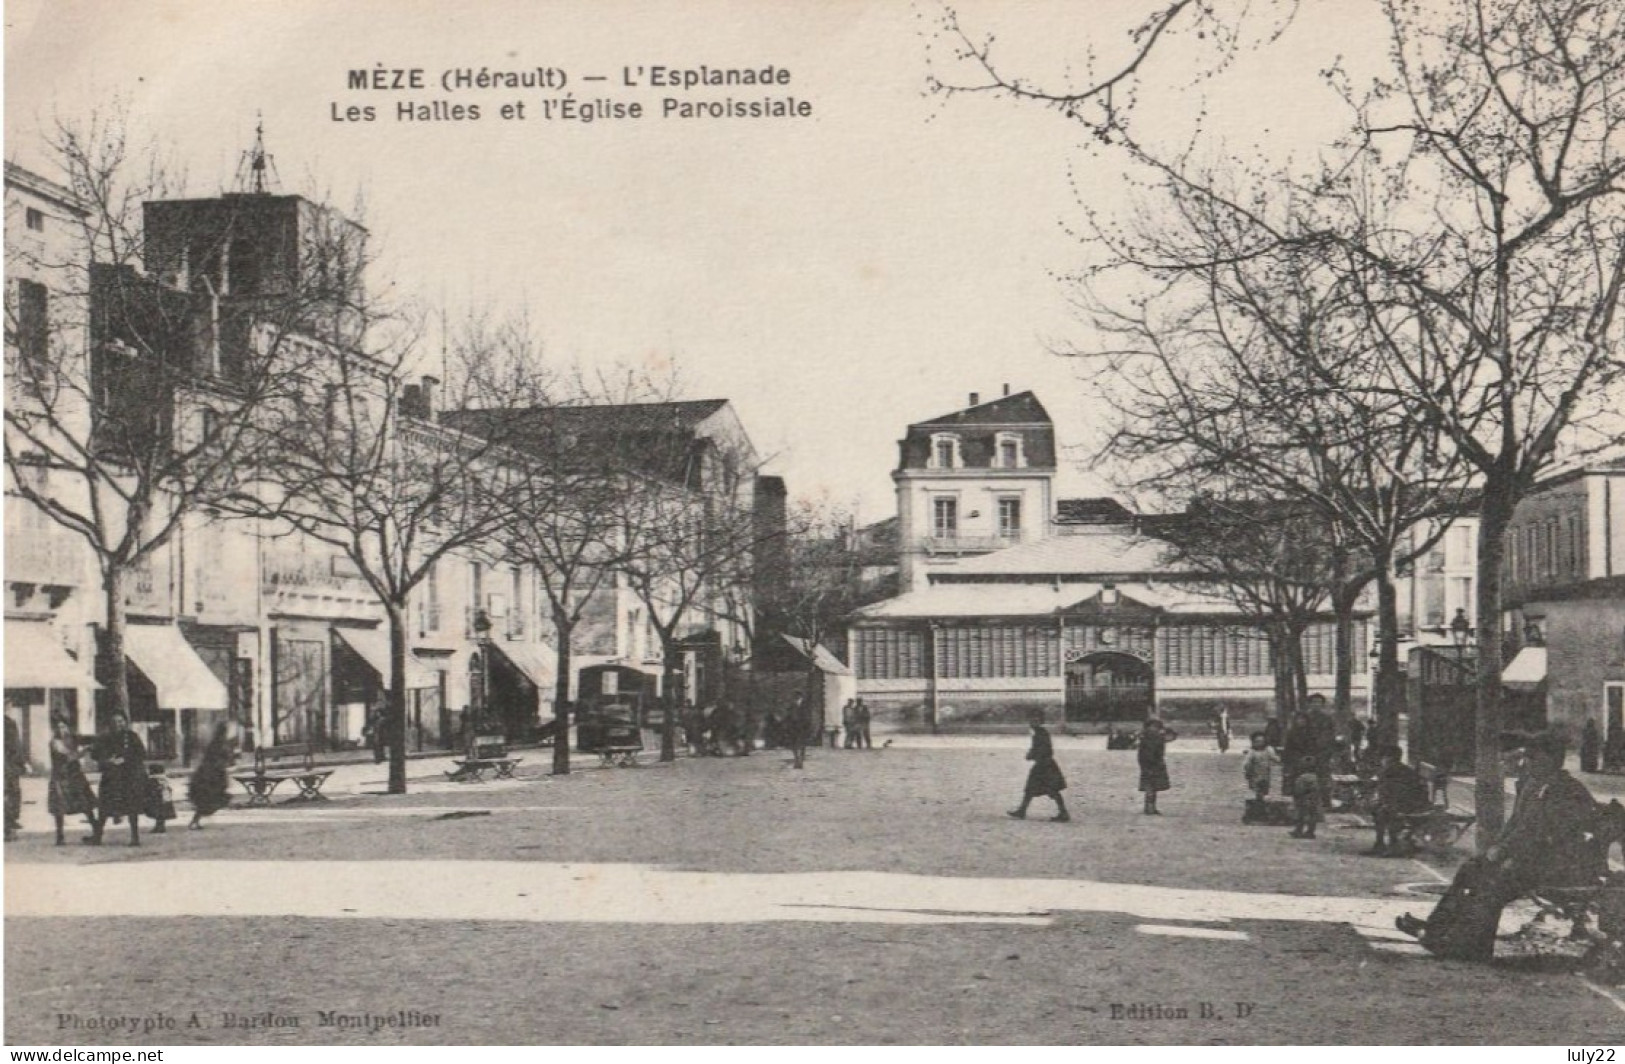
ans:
(35, 659)
(372, 645)
(180, 677)
(534, 661)
(1526, 671)
(821, 657)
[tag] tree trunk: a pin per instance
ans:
(1489, 795)
(1389, 684)
(668, 724)
(1281, 667)
(115, 667)
(395, 708)
(1344, 653)
(563, 630)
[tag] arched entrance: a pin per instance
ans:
(1106, 686)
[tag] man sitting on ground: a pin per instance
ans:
(1400, 791)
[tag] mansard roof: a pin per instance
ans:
(1023, 408)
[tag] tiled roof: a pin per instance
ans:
(1085, 554)
(1040, 600)
(980, 600)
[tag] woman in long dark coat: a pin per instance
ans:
(1044, 779)
(1154, 740)
(123, 761)
(70, 792)
(210, 788)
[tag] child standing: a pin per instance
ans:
(1258, 767)
(1306, 799)
(1154, 740)
(160, 798)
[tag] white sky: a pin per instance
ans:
(837, 277)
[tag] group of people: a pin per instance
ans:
(1597, 755)
(855, 717)
(128, 788)
(1045, 779)
(1305, 755)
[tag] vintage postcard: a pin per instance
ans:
(938, 522)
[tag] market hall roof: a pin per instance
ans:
(1076, 556)
(1047, 600)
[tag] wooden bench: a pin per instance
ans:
(487, 753)
(1435, 828)
(276, 765)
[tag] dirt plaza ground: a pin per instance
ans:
(875, 897)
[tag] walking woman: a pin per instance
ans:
(1044, 779)
(70, 793)
(210, 788)
(123, 762)
(1154, 740)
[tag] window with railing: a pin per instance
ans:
(944, 517)
(1010, 519)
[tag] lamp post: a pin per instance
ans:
(482, 636)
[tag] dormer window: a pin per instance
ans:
(1007, 451)
(945, 451)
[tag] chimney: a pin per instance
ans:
(1007, 391)
(430, 384)
(974, 398)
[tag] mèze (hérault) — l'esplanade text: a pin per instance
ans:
(464, 94)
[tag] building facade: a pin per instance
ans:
(1070, 607)
(1563, 574)
(973, 481)
(250, 620)
(52, 584)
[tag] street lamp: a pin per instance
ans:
(482, 636)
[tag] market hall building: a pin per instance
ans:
(1012, 603)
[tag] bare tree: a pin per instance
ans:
(1102, 86)
(684, 541)
(135, 396)
(1477, 209)
(576, 463)
(362, 464)
(1258, 364)
(1272, 561)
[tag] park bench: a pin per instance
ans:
(1579, 903)
(276, 765)
(487, 753)
(1434, 828)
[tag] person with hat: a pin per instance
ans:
(1548, 842)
